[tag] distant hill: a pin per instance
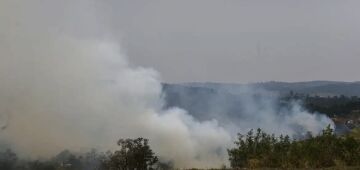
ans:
(233, 103)
(321, 88)
(208, 99)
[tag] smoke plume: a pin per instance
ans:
(61, 90)
(239, 108)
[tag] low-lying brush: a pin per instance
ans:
(255, 150)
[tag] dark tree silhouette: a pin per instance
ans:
(8, 159)
(133, 154)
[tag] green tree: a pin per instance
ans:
(133, 154)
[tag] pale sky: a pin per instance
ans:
(223, 40)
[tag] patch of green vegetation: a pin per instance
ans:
(258, 150)
(355, 133)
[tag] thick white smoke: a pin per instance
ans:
(60, 91)
(65, 93)
(241, 108)
(260, 108)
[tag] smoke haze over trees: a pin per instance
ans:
(252, 150)
(67, 84)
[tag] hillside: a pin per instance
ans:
(231, 103)
(201, 97)
(321, 88)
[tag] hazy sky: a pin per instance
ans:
(226, 40)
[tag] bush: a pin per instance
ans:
(265, 150)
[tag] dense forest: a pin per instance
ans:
(343, 106)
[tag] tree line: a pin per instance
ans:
(133, 154)
(259, 149)
(252, 150)
(342, 106)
